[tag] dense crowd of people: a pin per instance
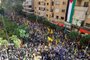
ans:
(39, 48)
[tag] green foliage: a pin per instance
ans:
(1, 11)
(22, 31)
(2, 33)
(85, 40)
(73, 35)
(12, 6)
(9, 26)
(3, 42)
(32, 17)
(18, 9)
(13, 29)
(15, 40)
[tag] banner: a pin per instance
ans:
(71, 10)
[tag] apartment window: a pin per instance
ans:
(44, 4)
(31, 10)
(47, 3)
(35, 7)
(85, 4)
(44, 9)
(64, 3)
(62, 18)
(39, 3)
(63, 10)
(51, 10)
(30, 6)
(52, 3)
(87, 24)
(47, 10)
(39, 8)
(47, 15)
(57, 17)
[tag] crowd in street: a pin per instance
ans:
(39, 48)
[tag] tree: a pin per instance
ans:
(1, 10)
(2, 33)
(12, 6)
(85, 41)
(9, 26)
(15, 40)
(73, 35)
(3, 42)
(22, 31)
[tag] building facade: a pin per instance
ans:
(28, 6)
(53, 10)
(39, 7)
(80, 12)
(87, 21)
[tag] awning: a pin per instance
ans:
(84, 31)
(58, 23)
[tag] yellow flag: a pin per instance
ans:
(63, 43)
(51, 31)
(50, 39)
(57, 41)
(48, 29)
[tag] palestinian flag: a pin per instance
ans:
(70, 10)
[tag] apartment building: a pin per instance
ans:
(87, 20)
(28, 6)
(80, 12)
(39, 7)
(53, 10)
(81, 17)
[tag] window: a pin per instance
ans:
(51, 10)
(30, 6)
(63, 10)
(44, 9)
(35, 7)
(47, 3)
(52, 3)
(39, 3)
(87, 24)
(57, 17)
(47, 10)
(47, 15)
(39, 8)
(64, 3)
(62, 18)
(85, 4)
(44, 4)
(31, 10)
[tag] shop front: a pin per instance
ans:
(84, 31)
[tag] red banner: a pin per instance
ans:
(84, 31)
